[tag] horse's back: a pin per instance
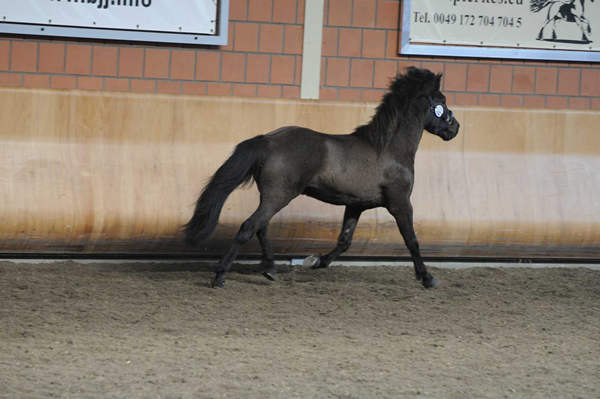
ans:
(293, 155)
(306, 146)
(295, 139)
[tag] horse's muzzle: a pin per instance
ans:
(452, 131)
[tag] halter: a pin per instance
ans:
(439, 110)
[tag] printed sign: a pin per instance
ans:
(194, 17)
(571, 25)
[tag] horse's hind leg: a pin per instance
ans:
(268, 262)
(258, 221)
(351, 216)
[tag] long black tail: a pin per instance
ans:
(240, 168)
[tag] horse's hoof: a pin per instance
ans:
(270, 275)
(217, 284)
(313, 261)
(431, 283)
(218, 281)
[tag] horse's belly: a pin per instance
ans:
(335, 196)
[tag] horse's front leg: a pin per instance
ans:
(351, 216)
(403, 213)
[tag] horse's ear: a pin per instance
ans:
(438, 79)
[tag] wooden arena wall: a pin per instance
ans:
(104, 145)
(98, 172)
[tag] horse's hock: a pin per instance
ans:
(119, 173)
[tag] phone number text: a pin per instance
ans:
(499, 21)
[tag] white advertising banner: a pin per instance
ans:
(180, 16)
(572, 25)
(119, 19)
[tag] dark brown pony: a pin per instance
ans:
(369, 168)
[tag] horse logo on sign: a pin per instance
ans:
(572, 11)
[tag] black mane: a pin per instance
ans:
(397, 106)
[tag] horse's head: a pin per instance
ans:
(439, 119)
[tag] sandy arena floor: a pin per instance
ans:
(143, 330)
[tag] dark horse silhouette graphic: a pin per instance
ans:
(371, 167)
(563, 10)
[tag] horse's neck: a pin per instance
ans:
(404, 145)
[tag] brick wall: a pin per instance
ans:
(263, 59)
